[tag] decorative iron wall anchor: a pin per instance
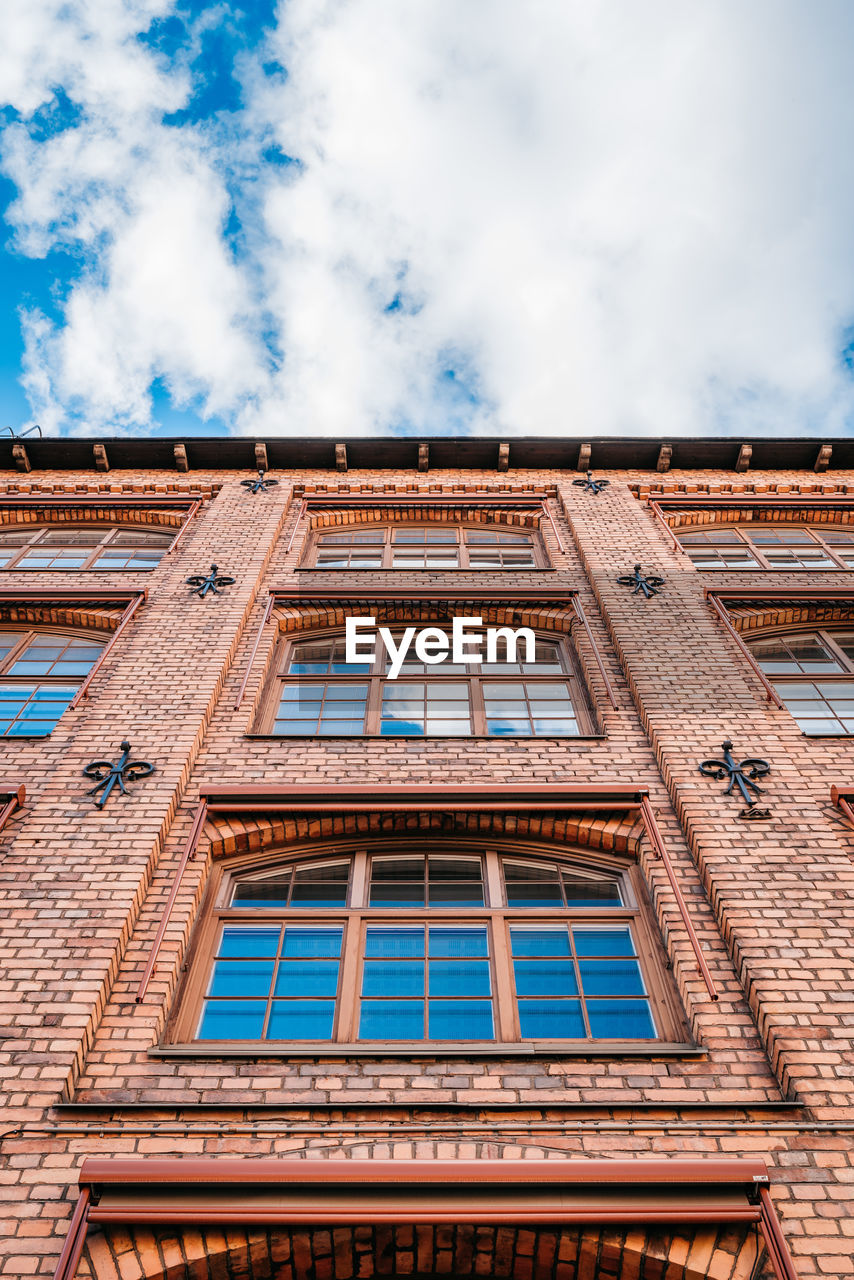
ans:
(261, 485)
(592, 486)
(738, 777)
(649, 585)
(111, 775)
(201, 585)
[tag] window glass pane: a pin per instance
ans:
(143, 559)
(531, 886)
(460, 1020)
(551, 1020)
(301, 1020)
(244, 940)
(581, 892)
(324, 886)
(391, 1020)
(272, 892)
(307, 978)
(394, 942)
(352, 537)
(458, 940)
(233, 1020)
(241, 978)
(620, 1020)
(303, 940)
(603, 942)
(539, 942)
(16, 537)
(611, 978)
(545, 978)
(393, 978)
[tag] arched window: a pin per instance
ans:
(431, 944)
(315, 692)
(770, 546)
(813, 672)
(429, 546)
(82, 547)
(40, 672)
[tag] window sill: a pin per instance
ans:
(401, 1049)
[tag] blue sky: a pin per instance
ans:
(355, 217)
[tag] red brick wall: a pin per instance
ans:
(84, 890)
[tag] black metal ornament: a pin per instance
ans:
(202, 585)
(741, 775)
(648, 585)
(111, 775)
(261, 485)
(590, 485)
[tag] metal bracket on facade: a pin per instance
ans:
(261, 485)
(647, 586)
(741, 774)
(202, 585)
(109, 775)
(13, 795)
(590, 485)
(843, 799)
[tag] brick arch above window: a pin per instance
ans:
(618, 833)
(609, 1252)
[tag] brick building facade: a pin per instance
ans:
(548, 1002)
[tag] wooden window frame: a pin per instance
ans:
(635, 911)
(571, 675)
(95, 552)
(762, 562)
(34, 632)
(826, 636)
(460, 527)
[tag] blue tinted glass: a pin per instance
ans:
(294, 728)
(233, 1020)
(69, 668)
(301, 1020)
(395, 942)
(392, 1020)
(620, 1019)
(458, 942)
(393, 978)
(307, 978)
(539, 942)
(545, 978)
(241, 978)
(300, 693)
(603, 942)
(455, 978)
(30, 728)
(249, 942)
(401, 727)
(44, 710)
(611, 978)
(337, 728)
(460, 1019)
(302, 710)
(312, 942)
(551, 1020)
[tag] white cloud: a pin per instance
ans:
(607, 217)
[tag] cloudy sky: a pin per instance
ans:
(348, 217)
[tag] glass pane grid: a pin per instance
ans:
(579, 982)
(426, 982)
(274, 983)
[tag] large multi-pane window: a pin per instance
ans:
(409, 546)
(316, 692)
(770, 546)
(40, 672)
(813, 672)
(438, 945)
(91, 547)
